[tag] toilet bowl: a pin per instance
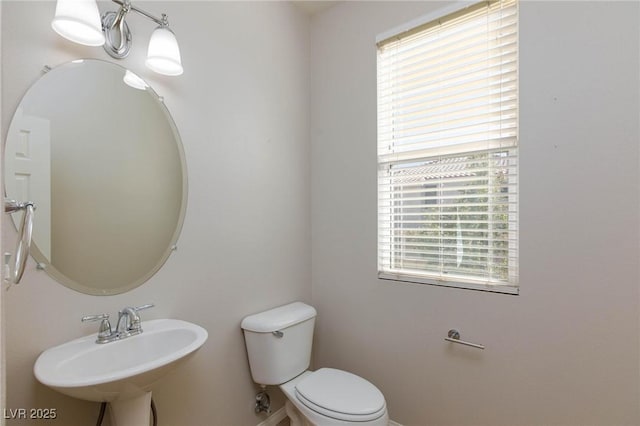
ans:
(279, 348)
(334, 397)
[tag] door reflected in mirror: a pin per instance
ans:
(102, 160)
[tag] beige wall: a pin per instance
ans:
(242, 110)
(3, 249)
(566, 351)
(563, 352)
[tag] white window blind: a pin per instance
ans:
(448, 150)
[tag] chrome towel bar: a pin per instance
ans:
(454, 336)
(24, 241)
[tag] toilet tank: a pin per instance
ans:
(279, 342)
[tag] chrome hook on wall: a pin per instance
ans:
(15, 271)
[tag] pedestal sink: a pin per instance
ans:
(121, 372)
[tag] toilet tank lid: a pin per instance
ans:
(278, 318)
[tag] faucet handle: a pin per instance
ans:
(132, 322)
(133, 312)
(95, 317)
(143, 307)
(104, 332)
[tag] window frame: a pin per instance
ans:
(511, 286)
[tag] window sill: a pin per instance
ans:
(492, 288)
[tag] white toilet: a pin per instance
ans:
(279, 347)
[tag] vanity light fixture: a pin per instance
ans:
(80, 22)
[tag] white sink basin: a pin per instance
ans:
(119, 370)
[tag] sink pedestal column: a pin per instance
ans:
(131, 412)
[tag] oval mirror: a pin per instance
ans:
(96, 150)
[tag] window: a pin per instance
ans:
(448, 150)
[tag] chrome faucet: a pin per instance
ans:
(128, 324)
(129, 321)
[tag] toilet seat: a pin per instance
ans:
(340, 395)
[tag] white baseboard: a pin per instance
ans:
(274, 418)
(281, 414)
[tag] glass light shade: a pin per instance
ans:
(163, 54)
(134, 81)
(79, 21)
